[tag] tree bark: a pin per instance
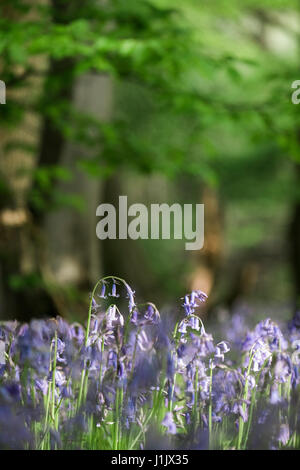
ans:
(73, 248)
(209, 259)
(294, 245)
(61, 247)
(19, 293)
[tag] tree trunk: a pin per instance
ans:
(209, 259)
(39, 250)
(294, 246)
(73, 248)
(19, 293)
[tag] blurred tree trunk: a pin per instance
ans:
(24, 291)
(209, 259)
(73, 248)
(40, 250)
(224, 283)
(19, 293)
(72, 255)
(294, 244)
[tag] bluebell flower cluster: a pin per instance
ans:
(130, 377)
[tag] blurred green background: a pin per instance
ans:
(164, 101)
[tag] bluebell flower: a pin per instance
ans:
(191, 301)
(55, 440)
(169, 423)
(188, 306)
(194, 323)
(223, 346)
(112, 360)
(134, 317)
(274, 397)
(114, 317)
(114, 290)
(284, 434)
(77, 332)
(182, 327)
(103, 291)
(130, 295)
(239, 408)
(152, 315)
(144, 342)
(11, 392)
(42, 385)
(190, 392)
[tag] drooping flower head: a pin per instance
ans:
(192, 301)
